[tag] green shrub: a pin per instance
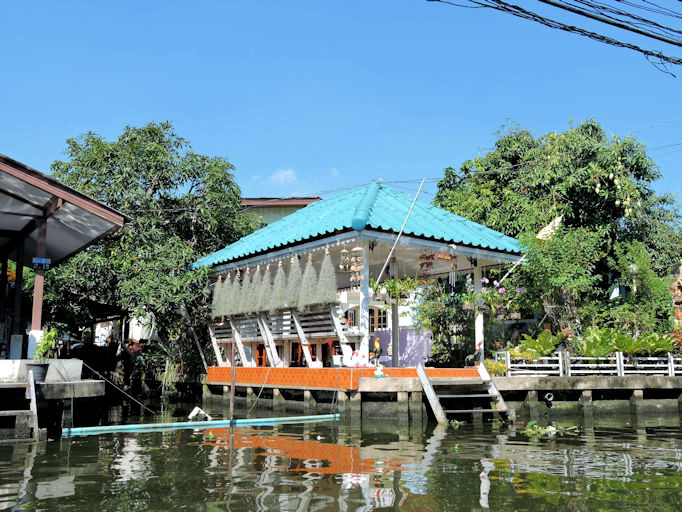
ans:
(541, 346)
(595, 343)
(657, 344)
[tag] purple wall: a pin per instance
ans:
(415, 346)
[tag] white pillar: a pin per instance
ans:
(478, 323)
(363, 350)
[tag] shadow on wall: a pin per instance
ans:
(415, 346)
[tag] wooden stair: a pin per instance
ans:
(31, 413)
(463, 396)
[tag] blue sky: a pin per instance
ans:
(306, 97)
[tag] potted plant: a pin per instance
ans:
(43, 349)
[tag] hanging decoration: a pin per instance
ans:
(254, 290)
(293, 283)
(216, 303)
(357, 266)
(226, 298)
(278, 297)
(344, 261)
(327, 286)
(308, 293)
(236, 295)
(265, 290)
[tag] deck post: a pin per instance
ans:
(585, 403)
(3, 287)
(478, 322)
(309, 402)
(416, 407)
(403, 406)
(356, 404)
(363, 349)
(532, 403)
(636, 402)
(18, 286)
(344, 409)
(250, 396)
(278, 401)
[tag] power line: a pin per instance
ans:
(604, 14)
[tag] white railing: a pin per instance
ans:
(565, 365)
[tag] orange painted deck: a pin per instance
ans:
(323, 378)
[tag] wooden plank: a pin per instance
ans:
(431, 396)
(305, 344)
(236, 337)
(214, 343)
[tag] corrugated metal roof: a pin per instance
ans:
(373, 206)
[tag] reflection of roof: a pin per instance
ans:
(276, 202)
(373, 206)
(28, 197)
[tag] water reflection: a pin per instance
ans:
(351, 466)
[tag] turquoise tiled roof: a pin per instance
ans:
(373, 206)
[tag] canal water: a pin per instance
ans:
(369, 465)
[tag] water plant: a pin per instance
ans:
(534, 430)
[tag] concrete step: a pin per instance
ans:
(469, 411)
(18, 412)
(472, 395)
(450, 381)
(13, 385)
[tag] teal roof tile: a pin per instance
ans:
(372, 206)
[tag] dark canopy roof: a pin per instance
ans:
(74, 220)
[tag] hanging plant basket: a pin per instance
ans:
(468, 306)
(515, 315)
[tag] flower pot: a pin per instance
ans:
(515, 315)
(468, 306)
(39, 371)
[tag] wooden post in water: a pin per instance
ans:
(234, 378)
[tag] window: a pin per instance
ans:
(378, 319)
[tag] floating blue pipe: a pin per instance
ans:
(154, 427)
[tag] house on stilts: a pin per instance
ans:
(293, 307)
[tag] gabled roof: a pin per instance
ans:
(372, 206)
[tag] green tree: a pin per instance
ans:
(181, 206)
(602, 187)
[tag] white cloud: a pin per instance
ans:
(284, 177)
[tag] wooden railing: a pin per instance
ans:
(565, 365)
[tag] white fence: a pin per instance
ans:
(565, 365)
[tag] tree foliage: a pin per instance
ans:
(181, 205)
(603, 188)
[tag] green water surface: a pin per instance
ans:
(368, 465)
